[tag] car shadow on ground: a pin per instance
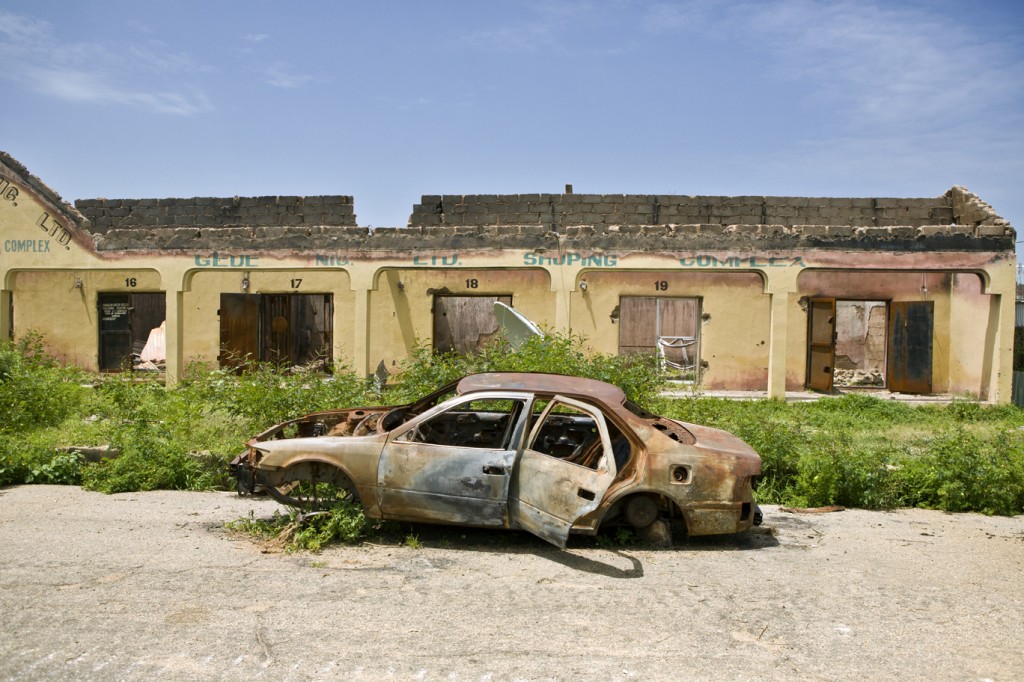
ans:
(583, 553)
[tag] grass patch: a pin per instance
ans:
(344, 524)
(862, 451)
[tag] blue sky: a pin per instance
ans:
(387, 101)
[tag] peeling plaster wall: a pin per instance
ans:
(346, 241)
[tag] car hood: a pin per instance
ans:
(279, 453)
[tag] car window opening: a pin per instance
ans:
(486, 424)
(570, 435)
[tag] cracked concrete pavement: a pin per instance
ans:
(150, 585)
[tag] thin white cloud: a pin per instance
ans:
(889, 64)
(545, 26)
(279, 76)
(870, 62)
(84, 86)
(256, 37)
(91, 73)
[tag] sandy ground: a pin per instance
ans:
(150, 586)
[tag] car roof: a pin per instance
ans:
(535, 382)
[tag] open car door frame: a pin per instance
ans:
(547, 494)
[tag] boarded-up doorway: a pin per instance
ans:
(667, 327)
(286, 329)
(126, 320)
(465, 324)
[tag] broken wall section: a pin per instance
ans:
(114, 214)
(656, 209)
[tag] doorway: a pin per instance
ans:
(285, 329)
(126, 322)
(666, 327)
(861, 329)
(465, 324)
(869, 344)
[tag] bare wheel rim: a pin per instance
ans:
(314, 487)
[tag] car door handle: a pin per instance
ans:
(586, 494)
(493, 470)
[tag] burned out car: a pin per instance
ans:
(546, 453)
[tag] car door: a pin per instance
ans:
(564, 471)
(452, 464)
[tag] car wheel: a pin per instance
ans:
(641, 511)
(312, 486)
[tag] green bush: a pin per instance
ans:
(28, 460)
(151, 459)
(961, 471)
(343, 523)
(36, 390)
(637, 375)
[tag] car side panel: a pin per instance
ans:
(356, 456)
(423, 482)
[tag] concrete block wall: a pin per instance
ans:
(114, 214)
(543, 240)
(561, 210)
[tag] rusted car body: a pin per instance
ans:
(549, 454)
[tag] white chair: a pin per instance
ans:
(675, 352)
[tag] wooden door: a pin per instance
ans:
(911, 324)
(148, 311)
(464, 324)
(312, 318)
(239, 329)
(638, 324)
(821, 343)
(643, 320)
(276, 329)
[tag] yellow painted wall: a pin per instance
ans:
(398, 317)
(201, 302)
(42, 253)
(733, 334)
(53, 304)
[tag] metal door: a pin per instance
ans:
(910, 346)
(547, 494)
(452, 464)
(115, 331)
(821, 343)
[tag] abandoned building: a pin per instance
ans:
(750, 293)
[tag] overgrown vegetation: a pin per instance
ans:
(344, 523)
(853, 450)
(861, 451)
(637, 375)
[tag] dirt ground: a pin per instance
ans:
(151, 586)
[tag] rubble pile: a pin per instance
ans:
(858, 377)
